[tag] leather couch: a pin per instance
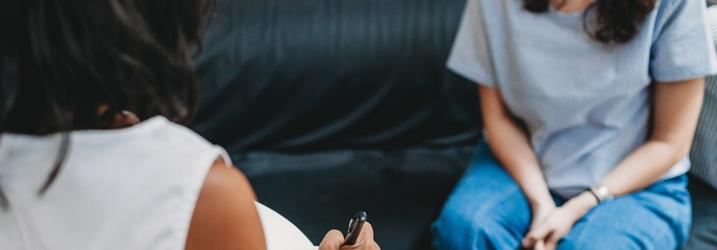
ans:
(335, 106)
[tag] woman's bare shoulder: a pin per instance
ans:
(225, 216)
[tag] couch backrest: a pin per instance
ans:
(296, 75)
(704, 149)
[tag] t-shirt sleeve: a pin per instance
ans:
(470, 56)
(682, 48)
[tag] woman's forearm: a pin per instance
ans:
(677, 108)
(510, 145)
(643, 167)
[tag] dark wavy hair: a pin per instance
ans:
(61, 60)
(615, 21)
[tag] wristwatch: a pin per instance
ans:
(602, 193)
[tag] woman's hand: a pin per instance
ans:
(541, 211)
(546, 233)
(334, 239)
(550, 230)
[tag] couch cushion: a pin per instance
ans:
(402, 190)
(704, 216)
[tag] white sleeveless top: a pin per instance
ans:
(132, 188)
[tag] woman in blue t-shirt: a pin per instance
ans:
(590, 108)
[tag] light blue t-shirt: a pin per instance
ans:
(585, 104)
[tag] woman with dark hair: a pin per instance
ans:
(90, 154)
(589, 109)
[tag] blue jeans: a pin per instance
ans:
(487, 210)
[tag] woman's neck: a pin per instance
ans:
(570, 6)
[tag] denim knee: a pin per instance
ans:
(457, 228)
(608, 241)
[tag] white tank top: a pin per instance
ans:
(132, 188)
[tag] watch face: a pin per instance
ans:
(604, 193)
